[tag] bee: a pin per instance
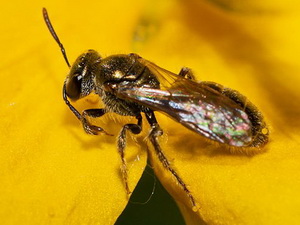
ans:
(130, 85)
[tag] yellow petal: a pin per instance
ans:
(51, 172)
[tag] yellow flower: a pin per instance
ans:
(53, 173)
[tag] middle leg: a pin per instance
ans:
(135, 129)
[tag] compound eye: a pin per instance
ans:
(73, 86)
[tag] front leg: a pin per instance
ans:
(89, 128)
(135, 129)
(156, 132)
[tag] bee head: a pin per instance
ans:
(80, 80)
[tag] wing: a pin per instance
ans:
(194, 105)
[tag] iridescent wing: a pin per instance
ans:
(194, 105)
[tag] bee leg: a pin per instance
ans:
(135, 129)
(155, 132)
(89, 128)
(186, 73)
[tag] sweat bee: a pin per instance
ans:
(130, 85)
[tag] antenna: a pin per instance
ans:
(54, 35)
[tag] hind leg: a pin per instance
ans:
(186, 73)
(156, 132)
